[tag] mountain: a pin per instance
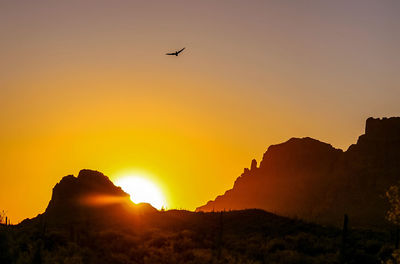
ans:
(90, 220)
(90, 197)
(306, 178)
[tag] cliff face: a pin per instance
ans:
(312, 180)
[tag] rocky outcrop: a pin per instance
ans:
(306, 178)
(71, 191)
(383, 129)
(91, 197)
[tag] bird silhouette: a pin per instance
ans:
(176, 53)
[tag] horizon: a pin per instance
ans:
(119, 180)
(86, 84)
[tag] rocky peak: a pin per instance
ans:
(382, 137)
(300, 150)
(91, 195)
(253, 164)
(71, 189)
(385, 128)
(307, 178)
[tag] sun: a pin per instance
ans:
(142, 190)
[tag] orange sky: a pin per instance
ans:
(85, 84)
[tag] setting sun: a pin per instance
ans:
(142, 190)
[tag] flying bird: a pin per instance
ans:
(176, 53)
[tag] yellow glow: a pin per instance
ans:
(142, 190)
(97, 92)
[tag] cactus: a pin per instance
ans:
(343, 250)
(220, 235)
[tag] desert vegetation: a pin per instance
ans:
(247, 236)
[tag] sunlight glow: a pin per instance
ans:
(142, 190)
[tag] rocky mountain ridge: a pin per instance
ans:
(306, 178)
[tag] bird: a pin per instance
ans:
(176, 53)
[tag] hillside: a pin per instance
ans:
(110, 229)
(306, 178)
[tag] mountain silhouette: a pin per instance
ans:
(90, 220)
(91, 197)
(306, 178)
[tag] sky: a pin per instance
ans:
(86, 84)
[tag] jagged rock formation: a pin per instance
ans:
(310, 179)
(93, 198)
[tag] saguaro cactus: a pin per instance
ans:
(220, 235)
(343, 250)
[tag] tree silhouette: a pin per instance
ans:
(393, 216)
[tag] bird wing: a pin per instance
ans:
(180, 50)
(170, 54)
